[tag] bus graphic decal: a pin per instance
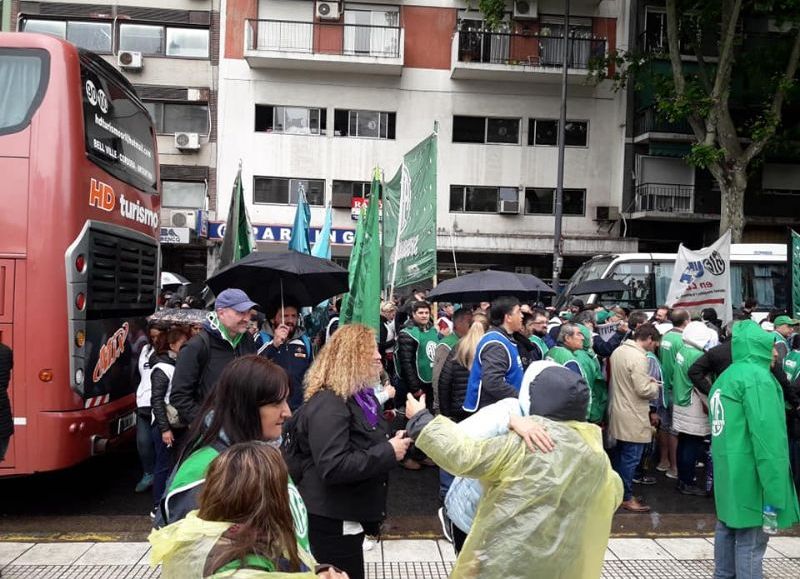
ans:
(110, 352)
(102, 196)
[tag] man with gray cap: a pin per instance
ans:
(543, 514)
(201, 361)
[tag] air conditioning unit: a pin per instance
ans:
(342, 200)
(606, 213)
(526, 9)
(187, 141)
(179, 218)
(327, 10)
(509, 207)
(129, 60)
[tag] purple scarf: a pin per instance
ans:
(368, 404)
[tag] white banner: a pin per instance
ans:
(702, 279)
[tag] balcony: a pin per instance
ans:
(655, 42)
(667, 202)
(500, 56)
(648, 126)
(324, 46)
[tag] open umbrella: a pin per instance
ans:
(488, 285)
(599, 286)
(270, 278)
(170, 279)
(179, 316)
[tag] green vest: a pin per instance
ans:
(791, 365)
(426, 350)
(681, 385)
(561, 355)
(598, 389)
(540, 344)
(449, 341)
(671, 343)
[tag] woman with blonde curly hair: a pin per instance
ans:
(345, 449)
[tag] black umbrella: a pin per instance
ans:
(271, 278)
(599, 286)
(487, 285)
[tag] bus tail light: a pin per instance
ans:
(80, 263)
(46, 375)
(80, 338)
(80, 301)
(79, 376)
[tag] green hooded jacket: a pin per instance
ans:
(593, 373)
(681, 385)
(670, 344)
(749, 445)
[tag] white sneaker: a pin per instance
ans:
(445, 524)
(369, 543)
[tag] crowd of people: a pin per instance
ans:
(273, 437)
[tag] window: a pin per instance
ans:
(27, 71)
(545, 132)
(352, 188)
(287, 191)
(179, 117)
(183, 194)
(541, 201)
(291, 120)
(368, 124)
(164, 40)
(639, 277)
(479, 199)
(485, 130)
(95, 36)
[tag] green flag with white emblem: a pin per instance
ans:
(409, 218)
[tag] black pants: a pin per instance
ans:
(329, 545)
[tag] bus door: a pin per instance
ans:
(6, 312)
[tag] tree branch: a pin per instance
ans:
(757, 145)
(677, 66)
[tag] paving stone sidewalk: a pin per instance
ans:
(396, 559)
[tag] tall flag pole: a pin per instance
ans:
(322, 247)
(238, 240)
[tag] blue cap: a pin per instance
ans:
(236, 299)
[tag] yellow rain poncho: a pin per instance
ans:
(183, 547)
(542, 515)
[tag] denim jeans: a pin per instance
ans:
(165, 459)
(626, 458)
(145, 444)
(739, 553)
(690, 449)
(445, 480)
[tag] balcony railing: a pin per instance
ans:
(649, 121)
(324, 38)
(528, 49)
(655, 42)
(665, 198)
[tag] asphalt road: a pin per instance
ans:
(96, 499)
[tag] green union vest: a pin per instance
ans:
(791, 365)
(539, 344)
(426, 349)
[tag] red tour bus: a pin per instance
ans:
(78, 248)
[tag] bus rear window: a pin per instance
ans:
(23, 78)
(118, 131)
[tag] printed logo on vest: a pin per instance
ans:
(717, 414)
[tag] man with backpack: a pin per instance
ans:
(287, 345)
(201, 361)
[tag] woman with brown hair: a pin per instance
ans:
(344, 449)
(244, 526)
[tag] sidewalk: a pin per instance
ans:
(395, 559)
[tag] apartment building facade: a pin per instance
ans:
(169, 51)
(313, 95)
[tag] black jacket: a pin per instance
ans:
(453, 381)
(346, 462)
(159, 386)
(384, 343)
(494, 365)
(200, 363)
(406, 353)
(295, 356)
(6, 420)
(527, 351)
(603, 348)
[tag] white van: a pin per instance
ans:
(758, 270)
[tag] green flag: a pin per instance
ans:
(409, 218)
(794, 266)
(238, 240)
(362, 304)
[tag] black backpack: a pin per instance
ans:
(291, 447)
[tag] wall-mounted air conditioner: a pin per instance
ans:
(606, 213)
(327, 10)
(179, 218)
(187, 141)
(526, 9)
(509, 207)
(129, 60)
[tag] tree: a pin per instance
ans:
(729, 136)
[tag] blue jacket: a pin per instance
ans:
(496, 371)
(294, 356)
